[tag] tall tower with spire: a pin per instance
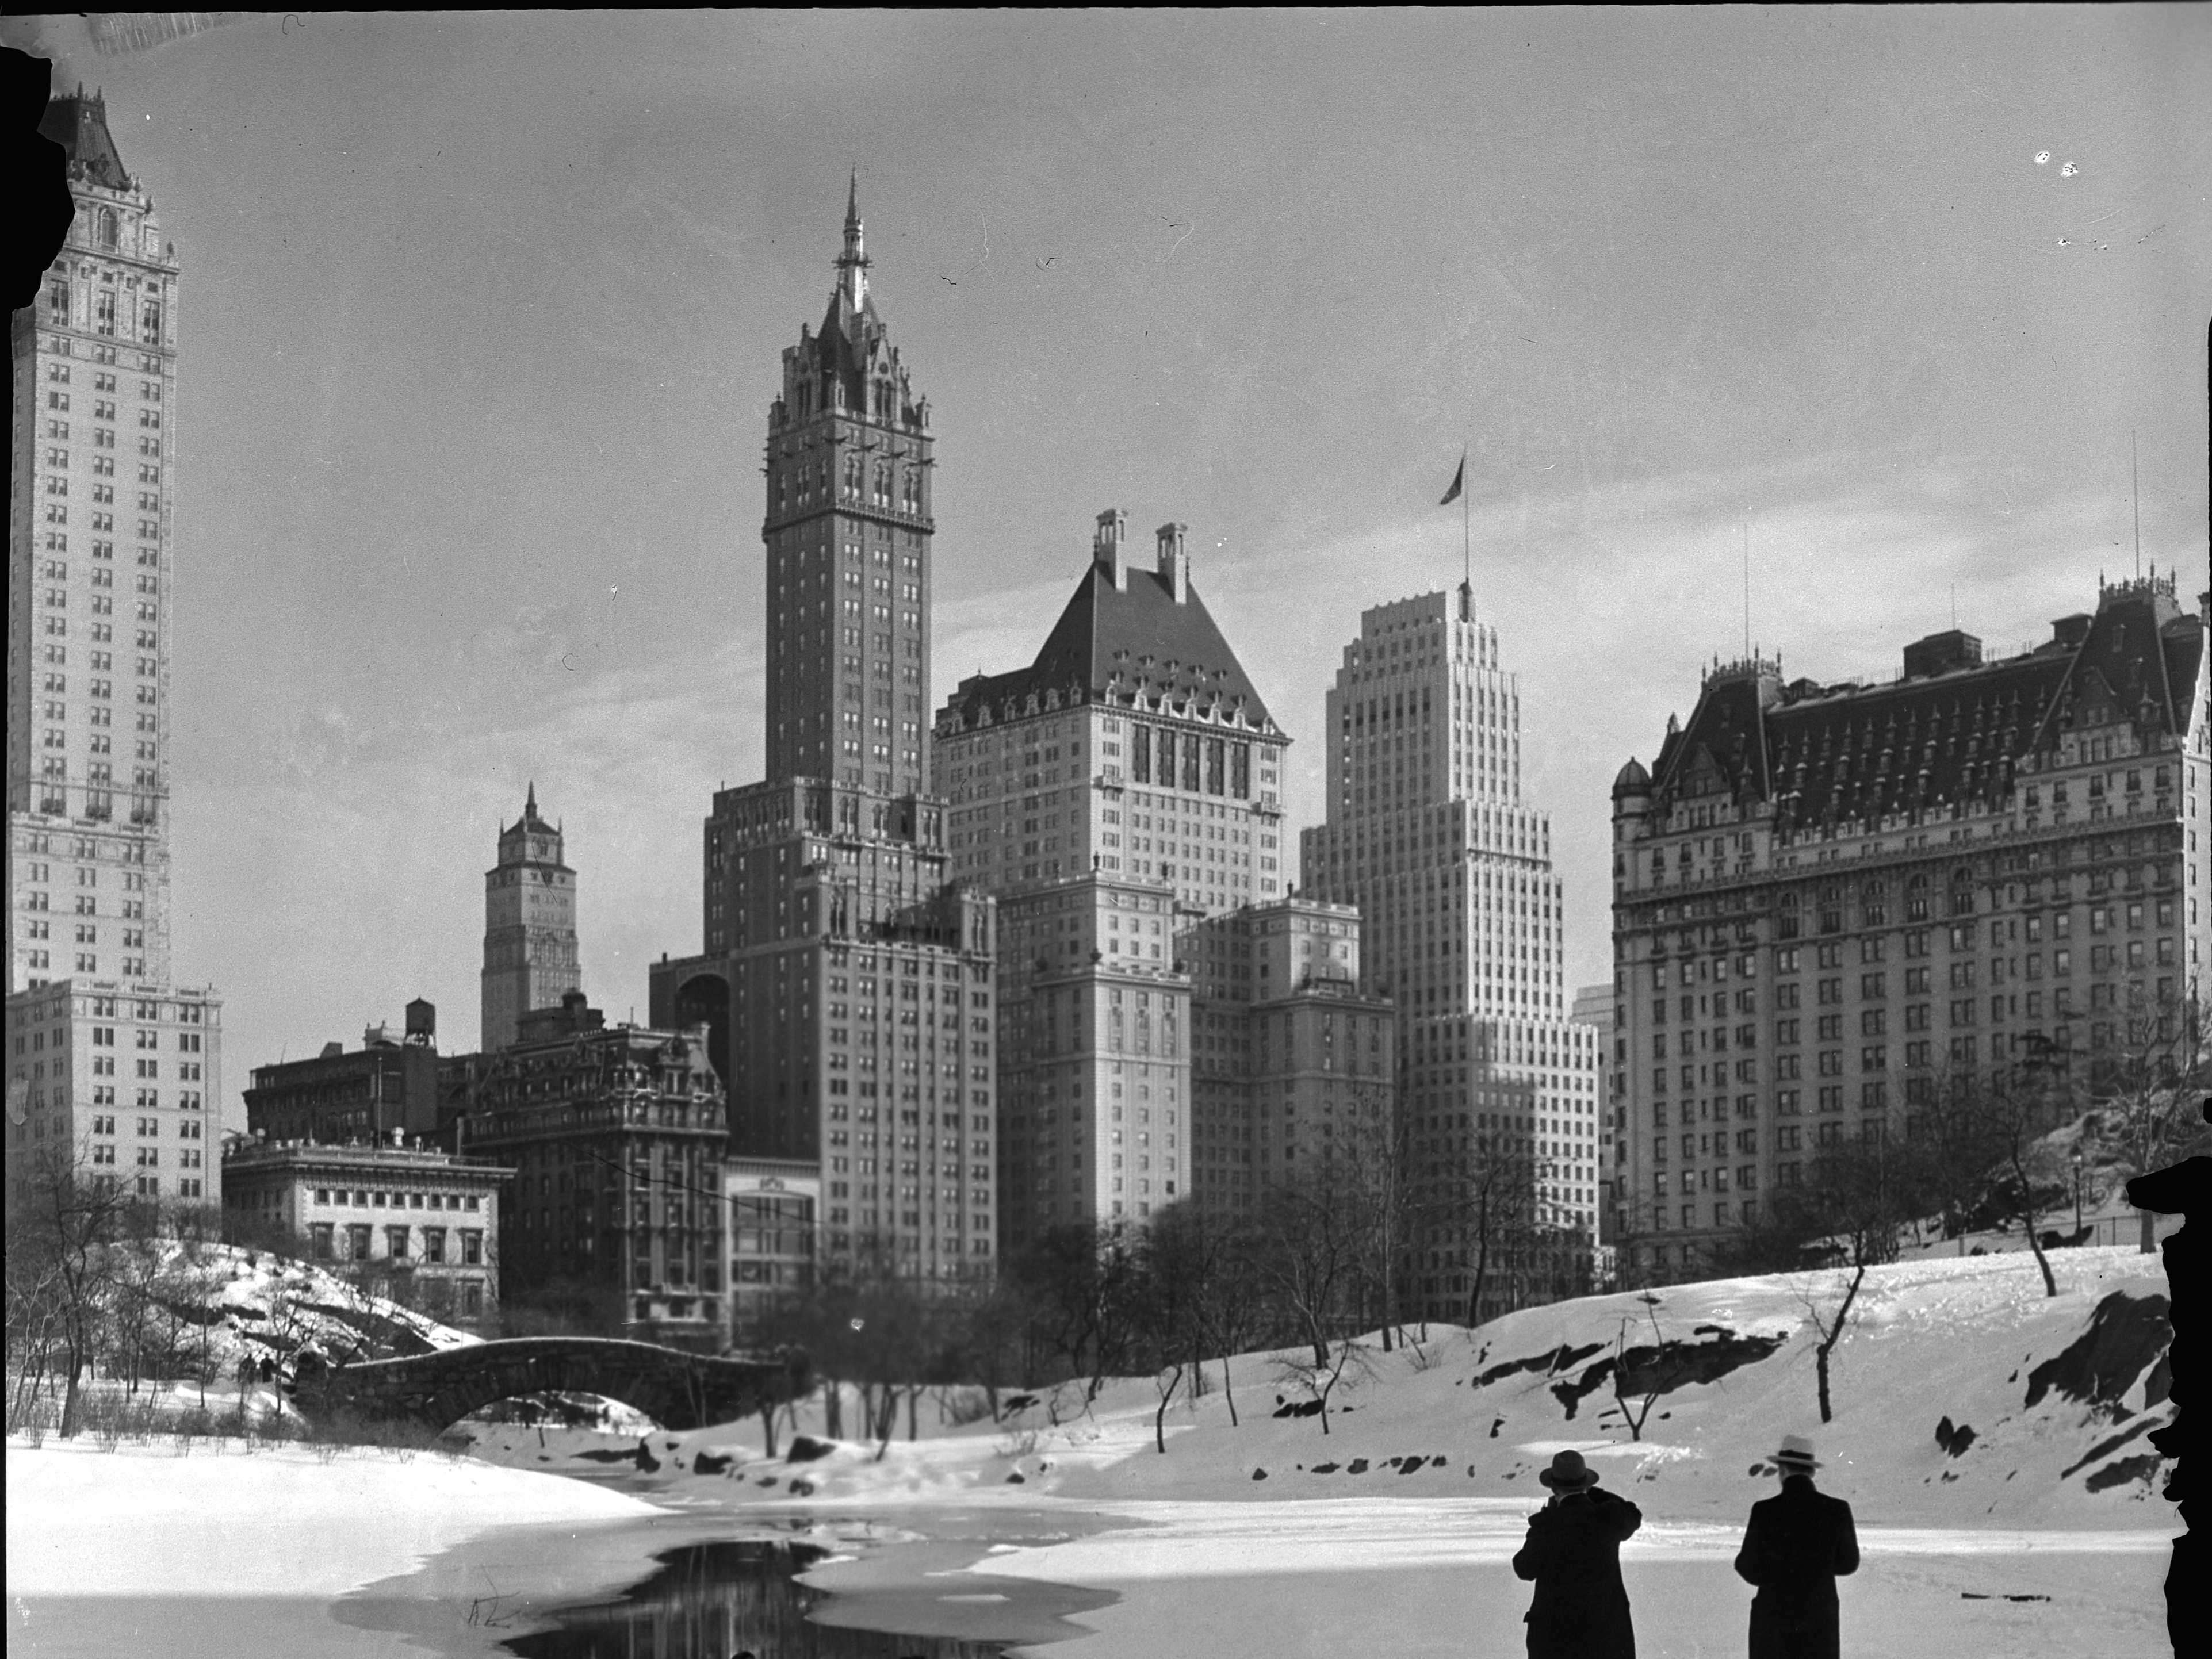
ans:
(530, 927)
(848, 532)
(845, 982)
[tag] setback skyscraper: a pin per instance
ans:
(1428, 835)
(845, 984)
(90, 566)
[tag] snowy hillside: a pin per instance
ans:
(2041, 1404)
(263, 1306)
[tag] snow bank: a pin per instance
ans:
(1963, 1398)
(221, 1522)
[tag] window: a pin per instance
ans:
(472, 1244)
(320, 1234)
(395, 1242)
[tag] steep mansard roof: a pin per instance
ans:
(1848, 753)
(1135, 645)
(78, 122)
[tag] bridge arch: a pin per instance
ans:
(678, 1390)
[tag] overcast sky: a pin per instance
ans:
(481, 318)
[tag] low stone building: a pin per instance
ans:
(420, 1227)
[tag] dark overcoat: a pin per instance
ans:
(1799, 1542)
(1580, 1609)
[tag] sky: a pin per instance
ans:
(481, 317)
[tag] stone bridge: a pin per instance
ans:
(677, 1389)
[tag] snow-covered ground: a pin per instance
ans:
(202, 1546)
(2032, 1527)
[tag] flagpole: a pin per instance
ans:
(1466, 533)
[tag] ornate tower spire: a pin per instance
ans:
(852, 263)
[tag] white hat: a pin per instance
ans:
(1796, 1453)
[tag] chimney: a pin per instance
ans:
(1106, 545)
(1174, 562)
(2070, 631)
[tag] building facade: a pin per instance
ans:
(845, 981)
(1827, 899)
(775, 1212)
(617, 1136)
(1430, 837)
(1293, 1067)
(530, 959)
(394, 1083)
(1094, 1055)
(1122, 786)
(419, 1227)
(117, 1084)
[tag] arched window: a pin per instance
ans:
(853, 476)
(914, 490)
(883, 483)
(107, 227)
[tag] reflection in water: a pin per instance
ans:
(713, 1600)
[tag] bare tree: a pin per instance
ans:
(70, 1217)
(2007, 1115)
(2146, 1097)
(1318, 1233)
(1648, 1382)
(1478, 1201)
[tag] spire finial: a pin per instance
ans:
(852, 263)
(530, 801)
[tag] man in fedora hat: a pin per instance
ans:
(1799, 1542)
(1580, 1609)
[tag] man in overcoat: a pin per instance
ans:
(1799, 1542)
(1580, 1609)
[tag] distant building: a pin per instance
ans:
(1594, 1007)
(1830, 899)
(1122, 786)
(419, 1227)
(530, 959)
(775, 1211)
(1292, 1065)
(392, 1083)
(1463, 919)
(618, 1136)
(845, 982)
(117, 1084)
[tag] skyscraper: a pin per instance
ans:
(845, 984)
(530, 927)
(1122, 786)
(89, 592)
(1830, 902)
(89, 568)
(1430, 836)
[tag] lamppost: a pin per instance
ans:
(2077, 1192)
